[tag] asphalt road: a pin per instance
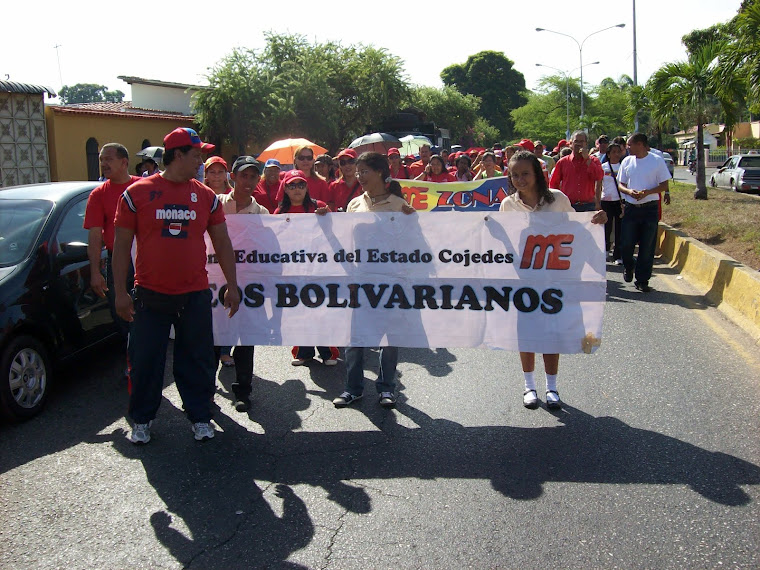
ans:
(654, 462)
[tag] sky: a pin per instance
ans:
(180, 42)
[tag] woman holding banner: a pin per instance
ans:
(296, 200)
(533, 195)
(381, 194)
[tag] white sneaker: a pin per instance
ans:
(298, 361)
(329, 362)
(140, 433)
(203, 431)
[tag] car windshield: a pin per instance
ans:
(750, 162)
(20, 224)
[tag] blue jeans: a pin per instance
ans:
(386, 377)
(639, 227)
(194, 364)
(584, 207)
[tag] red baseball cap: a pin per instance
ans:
(393, 151)
(186, 137)
(527, 144)
(348, 153)
(562, 143)
(215, 160)
(294, 176)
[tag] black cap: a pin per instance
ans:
(244, 162)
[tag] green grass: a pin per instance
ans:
(728, 221)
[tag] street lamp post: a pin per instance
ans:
(580, 52)
(567, 90)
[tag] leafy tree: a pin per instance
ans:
(490, 75)
(324, 92)
(89, 93)
(241, 102)
(683, 89)
(695, 39)
(544, 116)
(450, 109)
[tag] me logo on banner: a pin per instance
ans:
(536, 248)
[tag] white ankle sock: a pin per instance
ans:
(551, 382)
(530, 381)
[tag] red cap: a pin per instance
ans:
(294, 176)
(393, 151)
(562, 143)
(185, 137)
(527, 144)
(215, 160)
(347, 153)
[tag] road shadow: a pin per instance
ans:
(214, 488)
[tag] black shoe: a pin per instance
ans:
(628, 275)
(642, 286)
(242, 404)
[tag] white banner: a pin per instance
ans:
(498, 280)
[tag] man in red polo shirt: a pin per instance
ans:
(417, 168)
(347, 187)
(579, 176)
(168, 215)
(98, 219)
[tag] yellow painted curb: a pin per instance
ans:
(732, 286)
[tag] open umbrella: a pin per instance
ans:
(411, 144)
(283, 150)
(377, 142)
(155, 153)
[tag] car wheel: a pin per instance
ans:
(713, 183)
(24, 378)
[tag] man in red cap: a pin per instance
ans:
(168, 215)
(579, 176)
(347, 187)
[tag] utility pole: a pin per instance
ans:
(58, 57)
(635, 68)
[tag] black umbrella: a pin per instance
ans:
(155, 153)
(378, 142)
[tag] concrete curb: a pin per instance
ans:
(733, 287)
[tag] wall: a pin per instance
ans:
(161, 98)
(23, 142)
(68, 134)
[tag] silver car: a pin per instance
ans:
(667, 158)
(740, 172)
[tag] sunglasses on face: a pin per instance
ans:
(344, 162)
(296, 186)
(311, 157)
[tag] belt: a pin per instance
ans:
(582, 203)
(644, 205)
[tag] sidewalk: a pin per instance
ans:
(733, 287)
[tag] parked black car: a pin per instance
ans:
(48, 312)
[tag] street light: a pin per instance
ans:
(567, 90)
(580, 52)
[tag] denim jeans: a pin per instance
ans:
(584, 207)
(194, 365)
(386, 377)
(639, 227)
(121, 324)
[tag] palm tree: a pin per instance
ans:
(742, 54)
(683, 90)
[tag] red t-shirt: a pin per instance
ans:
(442, 177)
(341, 194)
(402, 173)
(300, 209)
(266, 194)
(415, 169)
(318, 189)
(101, 208)
(576, 179)
(169, 220)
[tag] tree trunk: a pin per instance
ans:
(701, 191)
